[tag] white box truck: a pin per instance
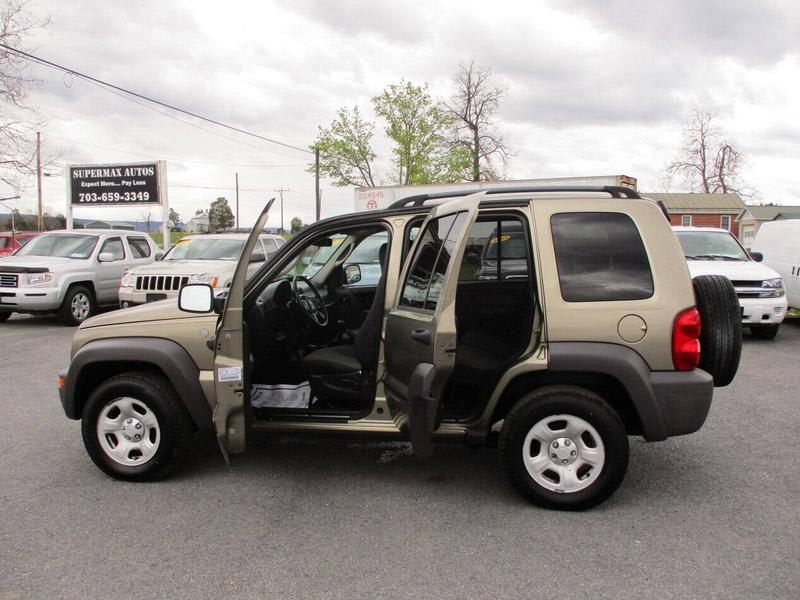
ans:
(778, 242)
(374, 198)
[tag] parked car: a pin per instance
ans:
(778, 244)
(10, 242)
(206, 258)
(70, 272)
(600, 342)
(762, 296)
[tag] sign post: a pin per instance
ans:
(131, 184)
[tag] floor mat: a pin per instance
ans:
(280, 395)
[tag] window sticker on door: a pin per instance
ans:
(229, 374)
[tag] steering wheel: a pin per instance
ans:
(312, 304)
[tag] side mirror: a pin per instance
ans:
(196, 298)
(257, 257)
(352, 274)
(105, 257)
(159, 256)
(757, 256)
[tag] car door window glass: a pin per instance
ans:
(426, 277)
(114, 247)
(139, 247)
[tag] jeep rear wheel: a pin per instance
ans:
(720, 327)
(78, 305)
(564, 447)
(134, 427)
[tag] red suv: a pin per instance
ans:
(9, 241)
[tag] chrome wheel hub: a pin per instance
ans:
(128, 431)
(80, 306)
(563, 453)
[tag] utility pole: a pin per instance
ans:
(40, 223)
(280, 191)
(316, 179)
(237, 201)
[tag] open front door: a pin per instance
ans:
(421, 328)
(229, 353)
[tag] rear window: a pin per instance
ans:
(600, 257)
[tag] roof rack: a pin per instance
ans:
(615, 191)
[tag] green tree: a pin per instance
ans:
(296, 225)
(345, 149)
(418, 127)
(220, 216)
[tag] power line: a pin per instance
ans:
(180, 160)
(48, 63)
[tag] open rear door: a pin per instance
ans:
(421, 328)
(229, 418)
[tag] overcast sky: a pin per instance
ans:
(593, 87)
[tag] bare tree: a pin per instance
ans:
(18, 121)
(473, 105)
(708, 162)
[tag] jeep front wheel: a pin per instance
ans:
(134, 426)
(564, 447)
(4, 316)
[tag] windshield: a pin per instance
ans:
(710, 245)
(205, 249)
(64, 246)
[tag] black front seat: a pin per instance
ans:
(344, 372)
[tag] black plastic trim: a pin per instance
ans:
(667, 402)
(166, 355)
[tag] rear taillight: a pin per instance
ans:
(686, 340)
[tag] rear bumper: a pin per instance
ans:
(683, 399)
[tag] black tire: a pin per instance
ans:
(573, 402)
(764, 332)
(720, 327)
(65, 311)
(4, 316)
(157, 396)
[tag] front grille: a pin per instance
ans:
(161, 283)
(8, 280)
(748, 289)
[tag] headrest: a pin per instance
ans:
(382, 255)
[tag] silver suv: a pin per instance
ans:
(580, 328)
(71, 272)
(207, 258)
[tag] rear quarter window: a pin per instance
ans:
(600, 257)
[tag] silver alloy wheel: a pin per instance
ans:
(563, 453)
(128, 431)
(80, 306)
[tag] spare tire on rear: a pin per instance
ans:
(720, 327)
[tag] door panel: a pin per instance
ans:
(229, 418)
(421, 329)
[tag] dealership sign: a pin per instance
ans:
(115, 185)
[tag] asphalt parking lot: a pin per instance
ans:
(711, 515)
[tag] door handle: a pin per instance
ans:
(423, 336)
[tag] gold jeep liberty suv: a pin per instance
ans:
(554, 322)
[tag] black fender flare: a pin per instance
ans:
(165, 355)
(624, 365)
